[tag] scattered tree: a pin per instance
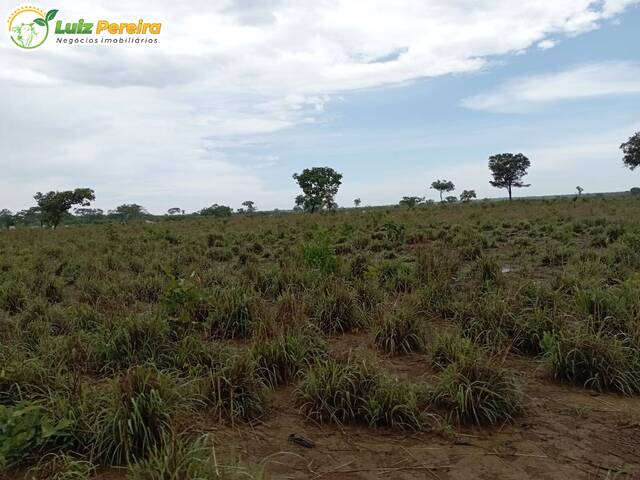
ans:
(357, 202)
(216, 210)
(250, 206)
(6, 218)
(29, 216)
(580, 190)
(53, 205)
(467, 195)
(128, 212)
(319, 187)
(443, 186)
(451, 199)
(508, 169)
(88, 214)
(635, 191)
(631, 150)
(411, 202)
(175, 211)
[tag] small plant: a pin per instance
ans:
(284, 357)
(61, 467)
(27, 429)
(400, 332)
(478, 391)
(335, 309)
(451, 348)
(176, 458)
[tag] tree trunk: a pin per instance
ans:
(509, 188)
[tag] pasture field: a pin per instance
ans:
(485, 340)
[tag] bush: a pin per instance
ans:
(335, 309)
(451, 348)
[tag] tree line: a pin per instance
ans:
(319, 187)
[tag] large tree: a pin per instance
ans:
(443, 186)
(319, 187)
(508, 169)
(54, 205)
(631, 150)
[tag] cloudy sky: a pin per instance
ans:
(237, 95)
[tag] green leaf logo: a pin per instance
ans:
(50, 15)
(40, 21)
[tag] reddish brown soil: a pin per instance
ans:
(566, 433)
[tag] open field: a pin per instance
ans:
(484, 340)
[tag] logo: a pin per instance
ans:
(29, 26)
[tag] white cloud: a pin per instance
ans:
(526, 93)
(546, 44)
(149, 123)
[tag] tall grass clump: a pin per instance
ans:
(350, 392)
(400, 331)
(135, 417)
(177, 458)
(478, 391)
(594, 361)
(282, 358)
(335, 309)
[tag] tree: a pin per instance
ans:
(175, 211)
(30, 216)
(250, 206)
(6, 218)
(129, 211)
(467, 195)
(443, 186)
(451, 199)
(635, 191)
(357, 202)
(216, 210)
(319, 187)
(507, 170)
(411, 202)
(88, 214)
(631, 150)
(54, 205)
(580, 190)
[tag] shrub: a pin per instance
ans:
(233, 313)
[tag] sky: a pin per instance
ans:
(237, 95)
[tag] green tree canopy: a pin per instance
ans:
(631, 150)
(249, 206)
(216, 210)
(443, 186)
(467, 195)
(129, 211)
(54, 205)
(319, 187)
(411, 202)
(6, 218)
(508, 169)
